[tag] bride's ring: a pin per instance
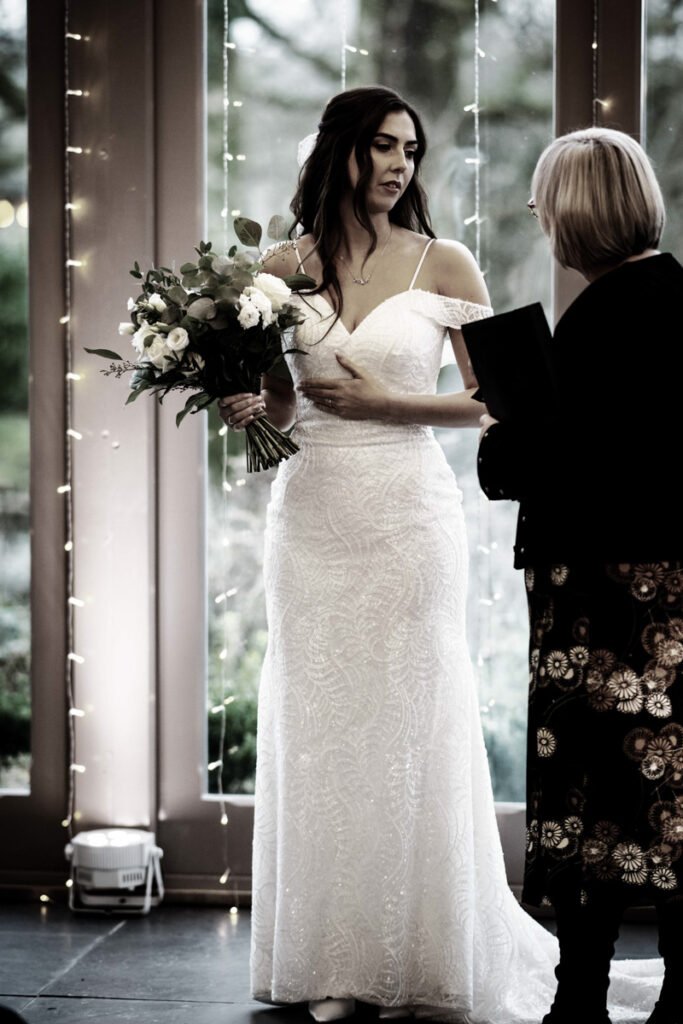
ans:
(328, 401)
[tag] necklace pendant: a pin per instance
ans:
(360, 280)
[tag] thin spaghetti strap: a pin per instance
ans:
(299, 261)
(419, 266)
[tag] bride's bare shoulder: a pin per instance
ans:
(280, 259)
(285, 258)
(457, 273)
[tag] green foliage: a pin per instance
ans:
(13, 330)
(240, 746)
(15, 448)
(15, 706)
(277, 228)
(106, 353)
(248, 231)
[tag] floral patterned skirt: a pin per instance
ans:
(605, 743)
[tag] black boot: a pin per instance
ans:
(586, 936)
(669, 1007)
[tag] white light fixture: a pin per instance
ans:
(114, 869)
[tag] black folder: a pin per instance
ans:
(511, 358)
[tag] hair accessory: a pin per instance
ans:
(305, 148)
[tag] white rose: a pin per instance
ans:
(249, 314)
(177, 339)
(125, 327)
(156, 302)
(157, 354)
(138, 339)
(274, 289)
(262, 303)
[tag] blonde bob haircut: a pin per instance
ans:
(597, 199)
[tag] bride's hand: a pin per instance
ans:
(357, 398)
(238, 411)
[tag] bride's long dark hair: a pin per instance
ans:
(349, 123)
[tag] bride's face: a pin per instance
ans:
(392, 153)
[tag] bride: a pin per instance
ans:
(378, 873)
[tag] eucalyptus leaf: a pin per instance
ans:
(192, 280)
(248, 231)
(277, 228)
(177, 294)
(244, 261)
(188, 268)
(106, 353)
(188, 407)
(241, 279)
(227, 293)
(297, 282)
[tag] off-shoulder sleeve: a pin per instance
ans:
(453, 313)
(456, 312)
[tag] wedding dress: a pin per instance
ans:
(378, 870)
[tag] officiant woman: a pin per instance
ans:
(600, 540)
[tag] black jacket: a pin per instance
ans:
(602, 480)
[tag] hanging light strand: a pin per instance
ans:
(226, 109)
(477, 138)
(594, 47)
(484, 629)
(344, 47)
(226, 640)
(226, 488)
(72, 659)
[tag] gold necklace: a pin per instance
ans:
(366, 280)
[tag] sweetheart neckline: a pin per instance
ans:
(396, 295)
(350, 334)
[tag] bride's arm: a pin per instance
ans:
(456, 275)
(277, 399)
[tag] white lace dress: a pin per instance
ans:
(378, 871)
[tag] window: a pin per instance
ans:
(15, 619)
(664, 129)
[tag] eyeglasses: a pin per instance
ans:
(531, 207)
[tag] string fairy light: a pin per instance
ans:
(71, 434)
(344, 46)
(225, 154)
(485, 547)
(477, 136)
(594, 48)
(226, 488)
(597, 103)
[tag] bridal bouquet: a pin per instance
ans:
(213, 331)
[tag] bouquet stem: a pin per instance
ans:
(267, 446)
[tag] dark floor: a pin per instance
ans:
(179, 965)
